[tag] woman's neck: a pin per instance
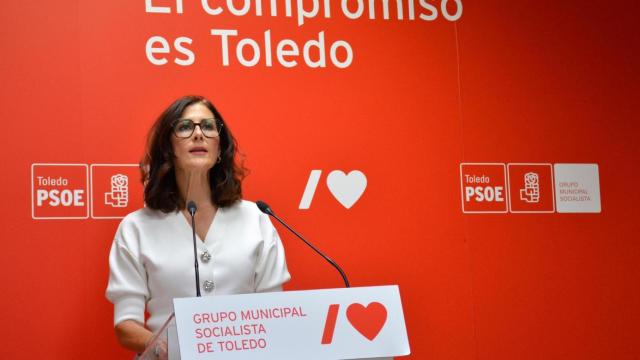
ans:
(194, 186)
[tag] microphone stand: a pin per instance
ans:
(191, 207)
(267, 210)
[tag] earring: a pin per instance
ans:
(219, 158)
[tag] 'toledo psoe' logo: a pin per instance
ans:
(529, 188)
(483, 187)
(59, 191)
(77, 191)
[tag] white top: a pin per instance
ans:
(151, 260)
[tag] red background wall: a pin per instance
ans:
(525, 81)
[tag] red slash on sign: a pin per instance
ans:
(367, 320)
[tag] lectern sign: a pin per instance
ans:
(317, 324)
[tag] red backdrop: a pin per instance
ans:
(518, 82)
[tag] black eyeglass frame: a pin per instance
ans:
(217, 122)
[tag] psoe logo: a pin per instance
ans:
(531, 191)
(483, 188)
(119, 194)
(59, 191)
(530, 188)
(114, 190)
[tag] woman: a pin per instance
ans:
(190, 157)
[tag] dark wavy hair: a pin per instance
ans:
(158, 170)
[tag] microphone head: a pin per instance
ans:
(191, 207)
(264, 207)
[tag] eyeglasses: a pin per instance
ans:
(184, 128)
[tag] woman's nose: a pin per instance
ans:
(197, 132)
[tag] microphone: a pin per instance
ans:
(264, 208)
(192, 208)
(267, 210)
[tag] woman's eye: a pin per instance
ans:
(184, 126)
(208, 125)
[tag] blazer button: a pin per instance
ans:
(208, 285)
(205, 256)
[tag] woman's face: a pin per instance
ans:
(196, 152)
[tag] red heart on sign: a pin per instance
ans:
(367, 320)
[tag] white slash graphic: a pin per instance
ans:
(310, 190)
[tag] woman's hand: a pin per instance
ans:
(133, 335)
(161, 351)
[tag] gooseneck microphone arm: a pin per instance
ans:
(192, 208)
(267, 210)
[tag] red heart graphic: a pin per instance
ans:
(367, 320)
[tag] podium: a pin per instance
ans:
(351, 323)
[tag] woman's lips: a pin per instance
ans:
(198, 151)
